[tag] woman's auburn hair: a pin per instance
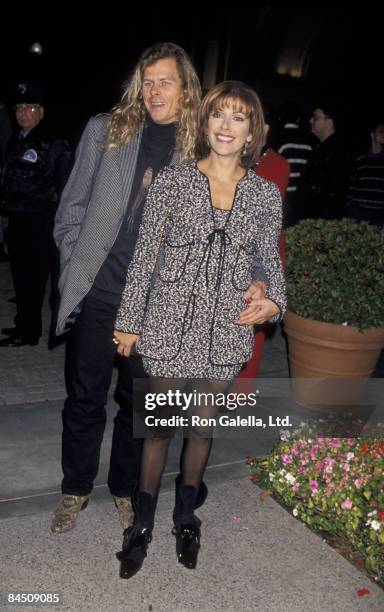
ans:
(129, 115)
(243, 99)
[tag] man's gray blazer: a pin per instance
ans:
(91, 211)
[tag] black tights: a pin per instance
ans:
(197, 446)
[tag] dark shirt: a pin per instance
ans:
(322, 187)
(155, 152)
(366, 184)
(365, 199)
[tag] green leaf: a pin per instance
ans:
(335, 271)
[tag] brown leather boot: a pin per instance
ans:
(65, 515)
(125, 510)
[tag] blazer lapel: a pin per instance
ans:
(207, 212)
(241, 212)
(175, 158)
(127, 166)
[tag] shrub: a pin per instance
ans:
(335, 272)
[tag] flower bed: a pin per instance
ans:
(334, 485)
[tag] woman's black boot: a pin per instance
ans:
(137, 537)
(187, 528)
(201, 496)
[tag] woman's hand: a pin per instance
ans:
(125, 342)
(255, 290)
(258, 311)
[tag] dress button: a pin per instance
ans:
(105, 248)
(90, 279)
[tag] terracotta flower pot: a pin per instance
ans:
(325, 352)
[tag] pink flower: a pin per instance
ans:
(314, 485)
(329, 462)
(335, 442)
(346, 504)
(314, 451)
(329, 489)
(358, 483)
(286, 459)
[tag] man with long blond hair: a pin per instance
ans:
(96, 230)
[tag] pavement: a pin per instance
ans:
(254, 554)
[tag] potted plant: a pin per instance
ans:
(335, 317)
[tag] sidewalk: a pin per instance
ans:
(29, 374)
(254, 555)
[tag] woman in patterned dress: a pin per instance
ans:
(210, 228)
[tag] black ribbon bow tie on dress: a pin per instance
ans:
(225, 240)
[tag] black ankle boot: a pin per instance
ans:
(200, 498)
(137, 537)
(187, 527)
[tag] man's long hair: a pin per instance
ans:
(128, 116)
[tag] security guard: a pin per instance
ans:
(35, 170)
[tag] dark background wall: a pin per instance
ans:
(285, 51)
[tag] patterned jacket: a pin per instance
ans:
(91, 211)
(178, 215)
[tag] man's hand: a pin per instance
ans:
(125, 342)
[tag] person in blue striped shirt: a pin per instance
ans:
(365, 198)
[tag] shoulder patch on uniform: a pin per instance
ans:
(30, 155)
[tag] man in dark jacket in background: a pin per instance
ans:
(321, 193)
(35, 170)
